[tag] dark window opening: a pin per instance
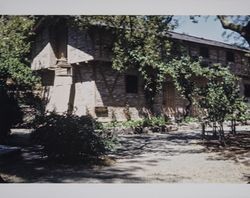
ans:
(230, 56)
(247, 90)
(131, 82)
(204, 52)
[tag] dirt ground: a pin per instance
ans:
(176, 157)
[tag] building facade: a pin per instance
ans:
(77, 77)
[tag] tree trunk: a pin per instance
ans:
(233, 126)
(221, 135)
(214, 129)
(188, 108)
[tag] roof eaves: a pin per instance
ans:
(199, 40)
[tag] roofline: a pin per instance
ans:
(196, 39)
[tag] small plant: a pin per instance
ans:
(190, 119)
(154, 121)
(132, 123)
(69, 137)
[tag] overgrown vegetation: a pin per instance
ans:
(70, 138)
(15, 73)
(220, 97)
(155, 123)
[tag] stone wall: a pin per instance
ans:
(98, 85)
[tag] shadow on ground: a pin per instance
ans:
(137, 145)
(236, 148)
(34, 167)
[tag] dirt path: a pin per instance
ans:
(175, 157)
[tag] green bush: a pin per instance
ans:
(69, 137)
(190, 119)
(154, 121)
(132, 123)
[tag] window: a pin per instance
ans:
(204, 52)
(247, 90)
(131, 82)
(230, 56)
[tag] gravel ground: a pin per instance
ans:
(176, 157)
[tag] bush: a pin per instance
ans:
(190, 119)
(69, 138)
(155, 121)
(10, 112)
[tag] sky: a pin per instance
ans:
(207, 27)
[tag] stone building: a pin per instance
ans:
(77, 77)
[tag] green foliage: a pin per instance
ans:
(133, 123)
(146, 122)
(190, 119)
(143, 46)
(69, 138)
(14, 50)
(15, 72)
(154, 121)
(183, 71)
(220, 97)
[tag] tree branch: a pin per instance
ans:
(226, 24)
(244, 31)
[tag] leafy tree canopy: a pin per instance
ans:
(15, 32)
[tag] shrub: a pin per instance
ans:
(154, 121)
(69, 137)
(190, 119)
(133, 123)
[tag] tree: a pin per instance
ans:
(220, 97)
(239, 24)
(15, 32)
(15, 73)
(184, 70)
